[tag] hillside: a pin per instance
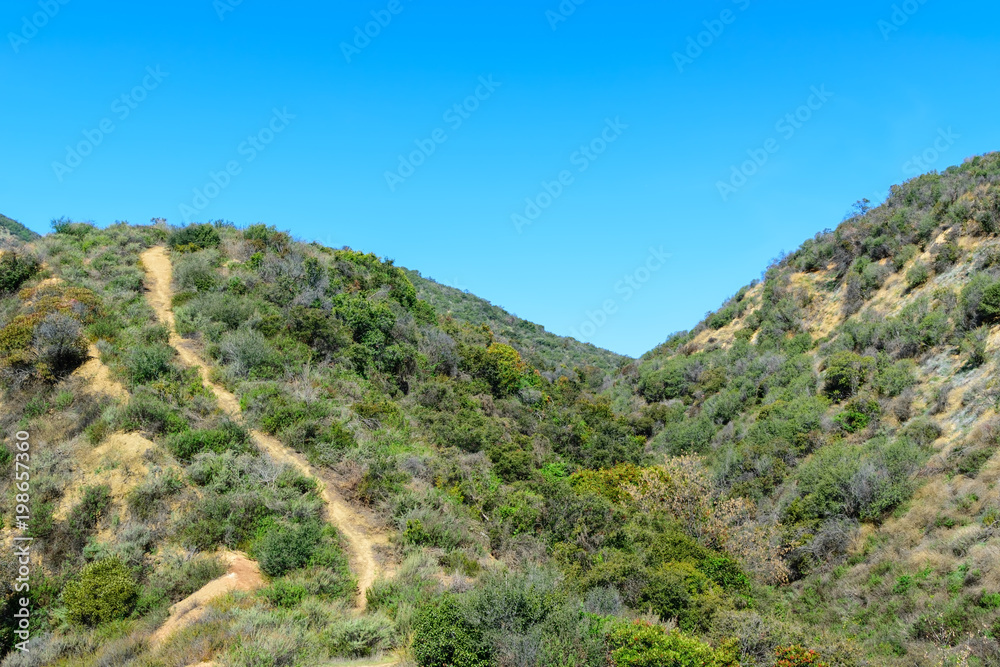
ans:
(252, 451)
(16, 229)
(543, 350)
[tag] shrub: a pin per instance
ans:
(946, 256)
(796, 656)
(105, 591)
(196, 272)
(989, 304)
(229, 436)
(59, 343)
(249, 355)
(143, 499)
(919, 274)
(359, 637)
(442, 637)
(845, 373)
(149, 414)
(974, 346)
(285, 594)
(15, 270)
(501, 366)
(195, 237)
(85, 516)
(671, 591)
(642, 644)
(894, 380)
(282, 548)
(147, 363)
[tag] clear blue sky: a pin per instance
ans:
(888, 96)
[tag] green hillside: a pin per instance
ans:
(253, 451)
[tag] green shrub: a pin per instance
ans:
(285, 594)
(442, 637)
(178, 577)
(143, 500)
(147, 363)
(671, 592)
(641, 644)
(989, 305)
(15, 270)
(149, 414)
(249, 355)
(359, 637)
(195, 237)
(919, 274)
(974, 346)
(282, 548)
(196, 272)
(229, 436)
(84, 517)
(105, 591)
(845, 373)
(894, 380)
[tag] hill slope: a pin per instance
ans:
(16, 229)
(812, 467)
(542, 349)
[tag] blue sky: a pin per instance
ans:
(585, 179)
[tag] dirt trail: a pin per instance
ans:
(98, 376)
(360, 536)
(241, 575)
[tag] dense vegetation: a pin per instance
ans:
(805, 478)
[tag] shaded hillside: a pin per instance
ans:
(541, 348)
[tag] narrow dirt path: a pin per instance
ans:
(360, 535)
(242, 574)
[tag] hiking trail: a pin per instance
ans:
(360, 535)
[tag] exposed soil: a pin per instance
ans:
(98, 377)
(242, 575)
